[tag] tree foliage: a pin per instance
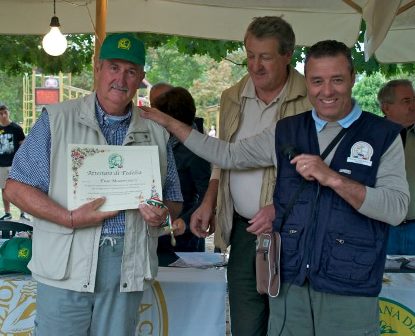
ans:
(366, 89)
(167, 64)
(11, 93)
(22, 53)
(205, 67)
(216, 49)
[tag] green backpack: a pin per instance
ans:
(15, 254)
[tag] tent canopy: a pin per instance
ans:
(227, 19)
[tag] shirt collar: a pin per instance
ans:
(249, 91)
(345, 122)
(103, 117)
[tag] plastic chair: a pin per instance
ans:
(9, 228)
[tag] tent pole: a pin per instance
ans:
(100, 26)
(406, 7)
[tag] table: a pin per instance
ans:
(397, 304)
(183, 301)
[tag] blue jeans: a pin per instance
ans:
(104, 312)
(402, 239)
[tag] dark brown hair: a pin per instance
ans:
(178, 103)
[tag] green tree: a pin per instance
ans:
(11, 91)
(167, 64)
(84, 80)
(21, 53)
(366, 89)
(207, 89)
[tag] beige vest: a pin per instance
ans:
(67, 258)
(410, 171)
(231, 107)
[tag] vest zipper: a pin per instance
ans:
(310, 235)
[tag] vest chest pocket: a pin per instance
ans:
(140, 138)
(290, 240)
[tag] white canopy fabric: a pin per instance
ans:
(390, 30)
(312, 20)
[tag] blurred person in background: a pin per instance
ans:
(397, 101)
(194, 172)
(11, 137)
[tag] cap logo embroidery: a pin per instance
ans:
(23, 253)
(124, 43)
(361, 153)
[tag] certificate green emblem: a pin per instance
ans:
(115, 160)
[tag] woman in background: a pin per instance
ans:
(194, 172)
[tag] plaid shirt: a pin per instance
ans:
(33, 170)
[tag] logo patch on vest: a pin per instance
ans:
(361, 153)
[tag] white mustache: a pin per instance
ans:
(115, 86)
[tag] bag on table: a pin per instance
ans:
(267, 263)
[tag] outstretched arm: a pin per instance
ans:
(39, 204)
(174, 126)
(253, 152)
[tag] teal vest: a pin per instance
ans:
(324, 239)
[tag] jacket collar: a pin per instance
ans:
(295, 86)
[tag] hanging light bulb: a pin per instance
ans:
(54, 43)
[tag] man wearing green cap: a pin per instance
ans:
(91, 266)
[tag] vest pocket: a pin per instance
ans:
(50, 254)
(349, 258)
(291, 237)
(141, 137)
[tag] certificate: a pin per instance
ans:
(126, 175)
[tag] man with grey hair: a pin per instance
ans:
(91, 266)
(397, 101)
(242, 200)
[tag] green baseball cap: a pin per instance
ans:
(15, 254)
(124, 46)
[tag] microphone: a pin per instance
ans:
(289, 151)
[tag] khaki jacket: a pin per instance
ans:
(67, 258)
(410, 171)
(231, 107)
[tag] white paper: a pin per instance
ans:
(126, 175)
(200, 260)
